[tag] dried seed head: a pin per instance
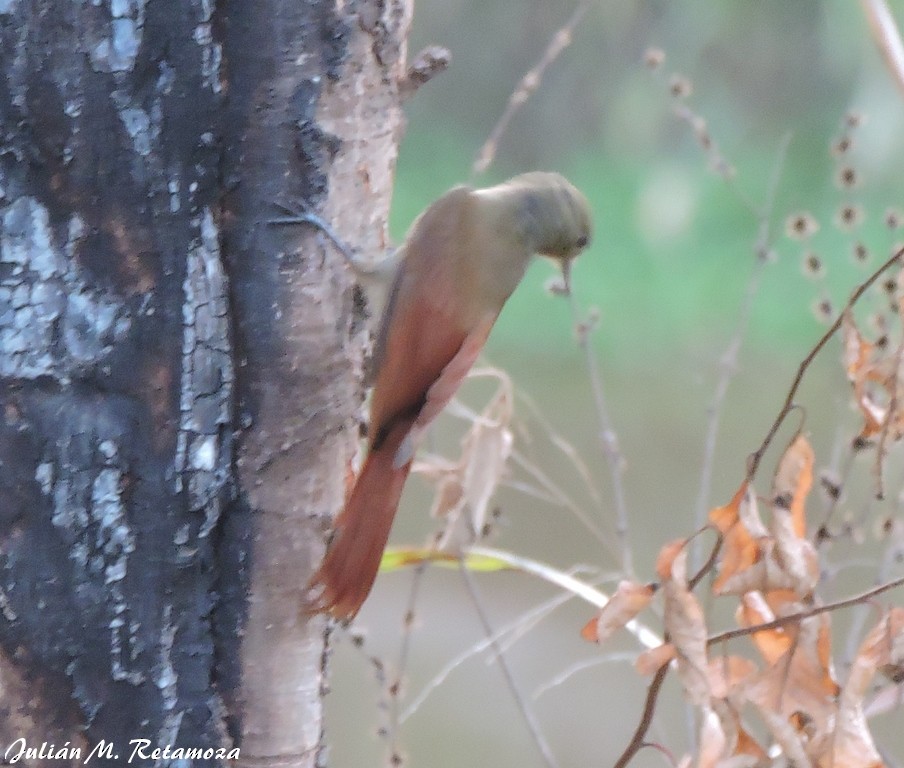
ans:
(878, 323)
(893, 218)
(653, 58)
(800, 226)
(860, 253)
(849, 216)
(854, 119)
(812, 265)
(830, 484)
(841, 146)
(823, 310)
(680, 87)
(847, 177)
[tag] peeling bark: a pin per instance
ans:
(179, 381)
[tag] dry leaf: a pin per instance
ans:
(630, 598)
(686, 627)
(789, 739)
(771, 643)
(465, 487)
(712, 740)
(851, 745)
(729, 674)
(650, 662)
(857, 354)
(793, 480)
(725, 517)
(798, 690)
(789, 569)
(665, 561)
(882, 647)
(796, 558)
(740, 749)
(740, 549)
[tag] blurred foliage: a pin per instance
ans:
(674, 245)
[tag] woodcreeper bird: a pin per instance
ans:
(462, 258)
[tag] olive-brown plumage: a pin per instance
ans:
(461, 260)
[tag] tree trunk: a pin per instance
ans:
(180, 381)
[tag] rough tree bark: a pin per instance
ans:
(180, 382)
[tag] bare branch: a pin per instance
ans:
(793, 618)
(429, 63)
(639, 739)
(529, 83)
(753, 461)
(529, 717)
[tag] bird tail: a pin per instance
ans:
(348, 570)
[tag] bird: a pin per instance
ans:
(460, 261)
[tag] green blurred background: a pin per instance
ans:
(672, 259)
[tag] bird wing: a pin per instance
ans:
(429, 325)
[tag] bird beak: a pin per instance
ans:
(566, 275)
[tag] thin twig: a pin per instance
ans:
(627, 657)
(707, 566)
(533, 616)
(822, 535)
(890, 559)
(395, 689)
(529, 83)
(560, 496)
(608, 435)
(638, 740)
(526, 712)
(554, 493)
(792, 618)
(573, 455)
(753, 461)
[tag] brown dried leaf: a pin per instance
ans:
(747, 745)
(665, 561)
(465, 487)
(723, 518)
(650, 662)
(785, 735)
(685, 624)
(712, 740)
(857, 354)
(729, 674)
(851, 744)
(740, 749)
(798, 690)
(740, 549)
(776, 570)
(771, 643)
(796, 558)
(630, 598)
(883, 648)
(855, 350)
(793, 480)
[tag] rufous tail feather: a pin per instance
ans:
(348, 570)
